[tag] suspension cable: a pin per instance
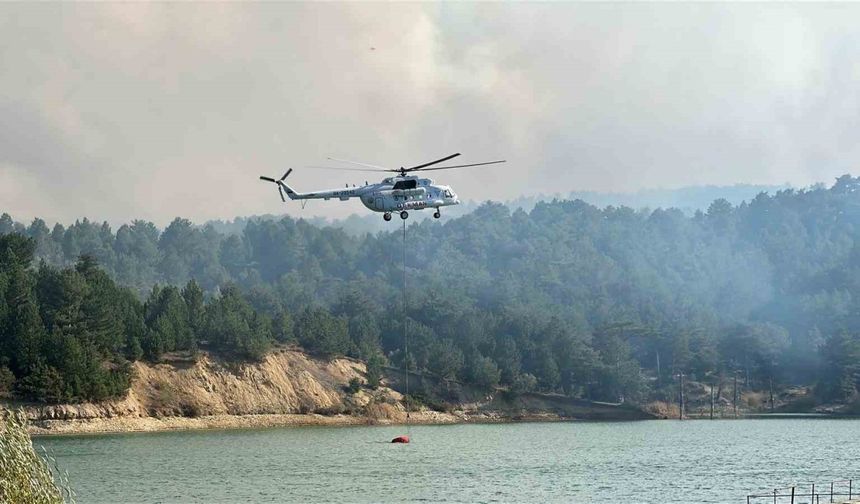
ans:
(405, 332)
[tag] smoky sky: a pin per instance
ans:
(135, 110)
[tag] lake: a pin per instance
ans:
(632, 462)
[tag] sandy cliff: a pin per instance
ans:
(288, 387)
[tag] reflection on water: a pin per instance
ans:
(655, 462)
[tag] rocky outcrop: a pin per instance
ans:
(285, 381)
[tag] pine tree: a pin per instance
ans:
(22, 327)
(193, 296)
(282, 327)
(375, 367)
(233, 326)
(319, 331)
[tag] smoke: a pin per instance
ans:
(129, 110)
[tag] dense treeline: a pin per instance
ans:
(603, 303)
(71, 334)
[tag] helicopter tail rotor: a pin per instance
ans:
(280, 183)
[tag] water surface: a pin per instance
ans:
(636, 462)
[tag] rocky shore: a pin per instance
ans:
(153, 424)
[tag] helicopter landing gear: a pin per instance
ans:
(404, 215)
(386, 216)
(437, 214)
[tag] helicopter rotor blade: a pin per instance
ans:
(464, 165)
(281, 192)
(268, 179)
(348, 169)
(359, 164)
(411, 168)
(374, 168)
(286, 174)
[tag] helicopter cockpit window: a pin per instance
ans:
(448, 193)
(406, 184)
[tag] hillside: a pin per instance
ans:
(607, 304)
(287, 387)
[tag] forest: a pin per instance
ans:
(601, 303)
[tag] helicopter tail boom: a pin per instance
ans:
(341, 194)
(291, 193)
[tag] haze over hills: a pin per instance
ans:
(597, 303)
(573, 95)
(654, 224)
(686, 199)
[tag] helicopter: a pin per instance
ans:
(400, 193)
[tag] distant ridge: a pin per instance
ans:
(687, 199)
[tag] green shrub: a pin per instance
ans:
(419, 401)
(354, 386)
(375, 365)
(26, 477)
(524, 383)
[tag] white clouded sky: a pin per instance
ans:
(129, 110)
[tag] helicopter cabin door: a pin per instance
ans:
(378, 203)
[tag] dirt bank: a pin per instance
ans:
(289, 387)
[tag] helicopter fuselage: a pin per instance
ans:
(396, 194)
(393, 194)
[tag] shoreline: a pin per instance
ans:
(290, 388)
(135, 425)
(132, 425)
